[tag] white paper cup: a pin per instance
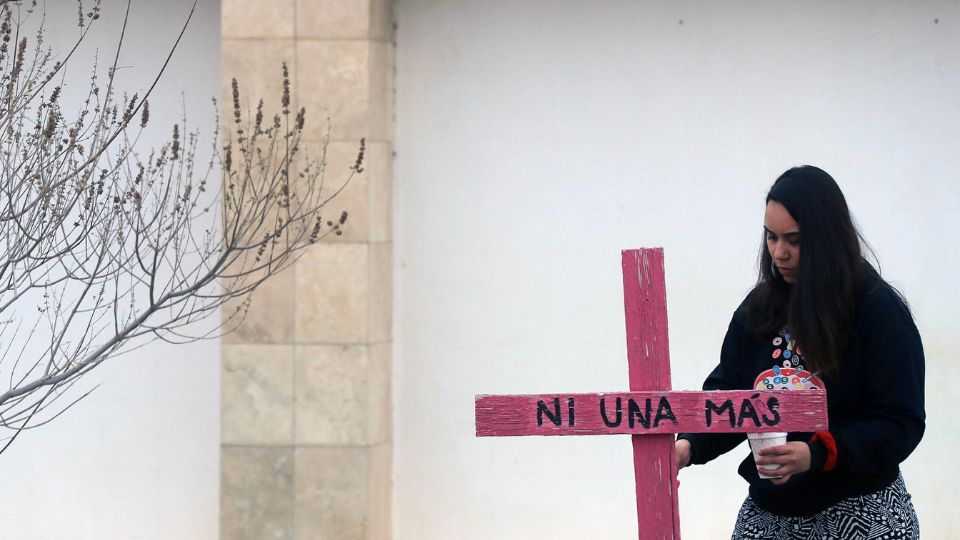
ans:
(759, 441)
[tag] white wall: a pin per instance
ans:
(537, 139)
(139, 458)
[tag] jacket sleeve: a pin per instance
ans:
(893, 389)
(728, 375)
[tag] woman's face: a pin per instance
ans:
(783, 240)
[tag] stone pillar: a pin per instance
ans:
(306, 410)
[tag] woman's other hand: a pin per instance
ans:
(792, 458)
(681, 449)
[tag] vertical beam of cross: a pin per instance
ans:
(648, 355)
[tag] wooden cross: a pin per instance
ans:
(650, 412)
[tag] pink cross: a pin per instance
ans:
(651, 413)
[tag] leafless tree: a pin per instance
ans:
(104, 247)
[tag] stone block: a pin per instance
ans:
(380, 292)
(333, 19)
(332, 294)
(256, 493)
(380, 395)
(343, 394)
(331, 496)
(354, 196)
(379, 494)
(256, 18)
(365, 196)
(378, 167)
(256, 394)
(334, 80)
(345, 19)
(381, 20)
(380, 125)
(332, 394)
(269, 317)
(257, 66)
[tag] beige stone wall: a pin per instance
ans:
(306, 417)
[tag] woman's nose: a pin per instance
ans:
(780, 251)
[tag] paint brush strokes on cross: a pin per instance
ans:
(650, 412)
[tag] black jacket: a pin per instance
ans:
(874, 405)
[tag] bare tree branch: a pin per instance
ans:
(105, 247)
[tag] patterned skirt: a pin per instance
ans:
(885, 514)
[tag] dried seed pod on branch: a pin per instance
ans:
(108, 246)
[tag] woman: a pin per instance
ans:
(821, 316)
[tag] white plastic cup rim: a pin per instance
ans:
(768, 435)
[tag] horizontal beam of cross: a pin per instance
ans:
(651, 413)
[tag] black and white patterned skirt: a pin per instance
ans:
(886, 514)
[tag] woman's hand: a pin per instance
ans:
(792, 458)
(681, 449)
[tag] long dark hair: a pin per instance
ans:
(819, 306)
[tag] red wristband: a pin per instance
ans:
(826, 438)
